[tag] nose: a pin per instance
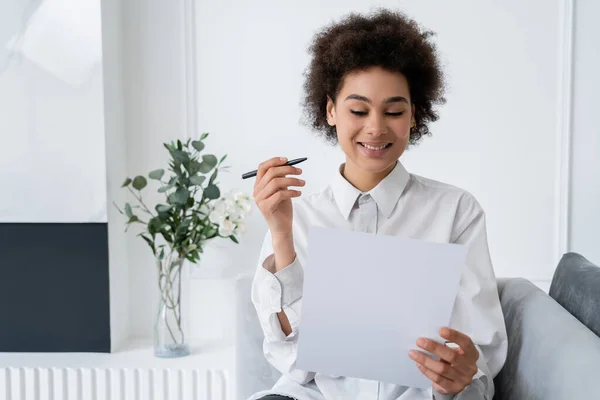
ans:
(376, 125)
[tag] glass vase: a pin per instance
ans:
(169, 336)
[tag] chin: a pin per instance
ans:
(375, 165)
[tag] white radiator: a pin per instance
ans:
(112, 384)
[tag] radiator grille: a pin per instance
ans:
(112, 384)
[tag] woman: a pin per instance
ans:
(372, 86)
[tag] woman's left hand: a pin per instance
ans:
(456, 367)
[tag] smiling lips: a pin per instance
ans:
(373, 146)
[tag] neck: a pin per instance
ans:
(361, 179)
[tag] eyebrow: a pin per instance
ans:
(395, 99)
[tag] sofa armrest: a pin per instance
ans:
(576, 287)
(551, 355)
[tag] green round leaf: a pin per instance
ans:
(197, 180)
(163, 208)
(157, 175)
(163, 189)
(180, 196)
(126, 182)
(212, 192)
(209, 161)
(139, 182)
(194, 167)
(128, 210)
(181, 156)
(198, 145)
(204, 136)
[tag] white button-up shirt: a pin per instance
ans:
(402, 204)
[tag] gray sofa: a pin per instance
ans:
(552, 355)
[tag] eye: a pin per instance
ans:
(359, 113)
(395, 114)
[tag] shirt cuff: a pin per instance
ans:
(472, 391)
(290, 279)
(273, 292)
(439, 396)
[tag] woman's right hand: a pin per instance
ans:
(273, 196)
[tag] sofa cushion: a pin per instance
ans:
(551, 355)
(576, 287)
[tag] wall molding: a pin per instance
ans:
(191, 85)
(564, 129)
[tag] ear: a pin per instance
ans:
(413, 121)
(330, 112)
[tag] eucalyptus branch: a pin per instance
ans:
(139, 198)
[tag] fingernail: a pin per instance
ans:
(299, 170)
(283, 158)
(421, 342)
(412, 354)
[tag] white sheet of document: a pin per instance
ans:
(368, 298)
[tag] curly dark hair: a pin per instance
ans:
(383, 38)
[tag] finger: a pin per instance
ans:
(446, 385)
(275, 172)
(278, 184)
(439, 367)
(440, 350)
(464, 341)
(270, 205)
(265, 165)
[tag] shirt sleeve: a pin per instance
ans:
(273, 292)
(477, 311)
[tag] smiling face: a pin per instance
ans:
(373, 116)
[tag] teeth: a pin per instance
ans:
(374, 148)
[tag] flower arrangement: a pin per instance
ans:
(193, 213)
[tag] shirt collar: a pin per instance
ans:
(386, 194)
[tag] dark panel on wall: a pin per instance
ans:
(54, 287)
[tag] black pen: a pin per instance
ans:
(291, 162)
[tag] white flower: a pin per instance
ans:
(226, 228)
(240, 197)
(229, 205)
(237, 214)
(204, 209)
(220, 207)
(216, 216)
(246, 206)
(241, 228)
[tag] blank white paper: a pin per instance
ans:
(368, 298)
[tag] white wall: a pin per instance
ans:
(496, 136)
(585, 154)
